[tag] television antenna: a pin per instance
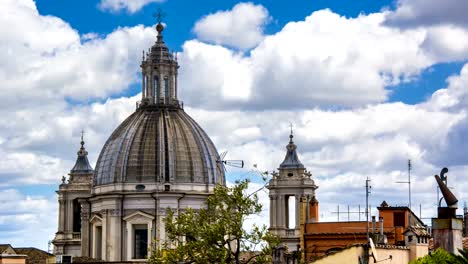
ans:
(368, 187)
(409, 183)
(232, 163)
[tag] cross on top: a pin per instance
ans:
(82, 134)
(291, 126)
(159, 15)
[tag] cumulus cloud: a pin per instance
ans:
(241, 27)
(130, 6)
(325, 60)
(27, 220)
(49, 62)
(415, 13)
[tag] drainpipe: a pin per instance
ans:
(178, 202)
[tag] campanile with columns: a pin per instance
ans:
(292, 182)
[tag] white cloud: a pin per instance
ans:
(27, 221)
(241, 27)
(447, 43)
(43, 60)
(130, 6)
(414, 13)
(325, 60)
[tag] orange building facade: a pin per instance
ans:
(321, 238)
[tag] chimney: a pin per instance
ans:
(381, 226)
(373, 224)
(313, 210)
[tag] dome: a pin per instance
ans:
(157, 144)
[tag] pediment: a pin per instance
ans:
(95, 219)
(138, 216)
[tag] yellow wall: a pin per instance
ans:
(12, 260)
(349, 256)
(399, 256)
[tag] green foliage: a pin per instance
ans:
(439, 256)
(215, 234)
(461, 258)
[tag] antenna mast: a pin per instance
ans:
(409, 183)
(368, 187)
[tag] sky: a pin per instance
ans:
(366, 85)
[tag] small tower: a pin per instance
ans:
(292, 182)
(159, 70)
(73, 208)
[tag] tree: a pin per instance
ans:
(461, 258)
(439, 256)
(215, 234)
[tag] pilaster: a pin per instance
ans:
(85, 212)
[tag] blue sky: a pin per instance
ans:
(367, 85)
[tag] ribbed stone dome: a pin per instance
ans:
(159, 144)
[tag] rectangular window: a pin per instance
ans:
(76, 216)
(98, 242)
(398, 219)
(140, 248)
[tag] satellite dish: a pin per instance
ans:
(374, 251)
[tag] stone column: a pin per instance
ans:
(297, 211)
(104, 249)
(115, 235)
(281, 210)
(273, 210)
(69, 217)
(61, 222)
(175, 87)
(85, 211)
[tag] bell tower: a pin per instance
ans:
(159, 69)
(73, 208)
(288, 187)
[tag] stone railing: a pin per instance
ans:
(76, 235)
(290, 232)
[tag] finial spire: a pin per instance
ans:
(291, 160)
(82, 163)
(291, 135)
(82, 139)
(159, 15)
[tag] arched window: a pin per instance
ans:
(166, 87)
(156, 86)
(76, 216)
(146, 85)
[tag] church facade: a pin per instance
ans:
(158, 158)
